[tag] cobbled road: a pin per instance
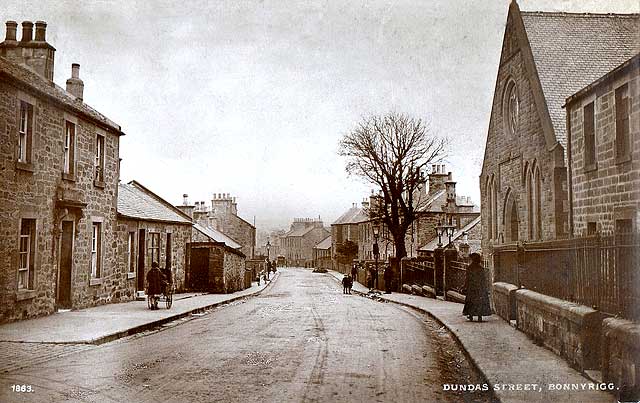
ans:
(302, 340)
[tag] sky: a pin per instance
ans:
(252, 97)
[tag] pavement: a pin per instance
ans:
(109, 322)
(507, 359)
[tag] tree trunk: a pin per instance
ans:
(401, 250)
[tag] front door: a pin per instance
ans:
(66, 259)
(142, 247)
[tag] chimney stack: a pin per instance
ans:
(185, 199)
(12, 29)
(75, 86)
(41, 31)
(27, 31)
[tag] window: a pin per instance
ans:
(589, 137)
(591, 228)
(25, 133)
(27, 248)
(96, 249)
(167, 254)
(131, 246)
(511, 108)
(99, 162)
(624, 226)
(69, 148)
(154, 247)
(622, 123)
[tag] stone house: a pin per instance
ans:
(150, 229)
(603, 152)
(60, 169)
(546, 57)
(347, 228)
(223, 216)
(297, 244)
(322, 254)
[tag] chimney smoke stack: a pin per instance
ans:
(185, 199)
(27, 31)
(75, 86)
(41, 31)
(12, 29)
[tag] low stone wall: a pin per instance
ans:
(504, 300)
(454, 296)
(570, 330)
(621, 356)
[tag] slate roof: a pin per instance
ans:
(137, 202)
(217, 236)
(572, 50)
(49, 89)
(433, 244)
(324, 244)
(352, 216)
(434, 204)
(300, 231)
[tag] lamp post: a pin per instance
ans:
(268, 246)
(444, 229)
(376, 252)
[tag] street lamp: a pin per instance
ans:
(268, 245)
(376, 252)
(445, 230)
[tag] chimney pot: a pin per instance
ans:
(41, 31)
(27, 31)
(75, 86)
(12, 28)
(75, 70)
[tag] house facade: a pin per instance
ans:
(297, 244)
(60, 169)
(149, 230)
(545, 58)
(604, 152)
(322, 254)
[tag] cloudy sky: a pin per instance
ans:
(252, 97)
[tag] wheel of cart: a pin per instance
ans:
(168, 295)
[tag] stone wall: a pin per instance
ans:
(234, 272)
(570, 330)
(504, 300)
(611, 190)
(34, 191)
(621, 356)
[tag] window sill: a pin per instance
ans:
(98, 183)
(131, 275)
(623, 159)
(590, 168)
(69, 177)
(25, 166)
(95, 281)
(22, 295)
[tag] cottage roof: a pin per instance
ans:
(572, 50)
(217, 236)
(25, 77)
(434, 203)
(352, 216)
(137, 202)
(433, 244)
(300, 231)
(324, 244)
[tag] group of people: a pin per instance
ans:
(158, 281)
(347, 284)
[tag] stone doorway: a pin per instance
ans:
(63, 300)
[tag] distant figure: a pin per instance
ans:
(388, 278)
(477, 290)
(354, 272)
(349, 284)
(369, 279)
(345, 284)
(154, 282)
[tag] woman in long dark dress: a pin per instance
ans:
(477, 290)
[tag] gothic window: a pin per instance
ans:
(511, 108)
(622, 103)
(588, 128)
(537, 207)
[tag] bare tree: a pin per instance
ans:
(391, 152)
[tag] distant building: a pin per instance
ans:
(297, 244)
(546, 57)
(223, 216)
(604, 152)
(150, 229)
(322, 254)
(347, 228)
(60, 170)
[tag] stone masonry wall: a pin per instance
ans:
(32, 193)
(234, 268)
(612, 190)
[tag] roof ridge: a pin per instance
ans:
(586, 15)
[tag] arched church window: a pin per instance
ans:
(511, 108)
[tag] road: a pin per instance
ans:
(302, 340)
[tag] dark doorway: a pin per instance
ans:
(167, 252)
(66, 261)
(199, 269)
(141, 249)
